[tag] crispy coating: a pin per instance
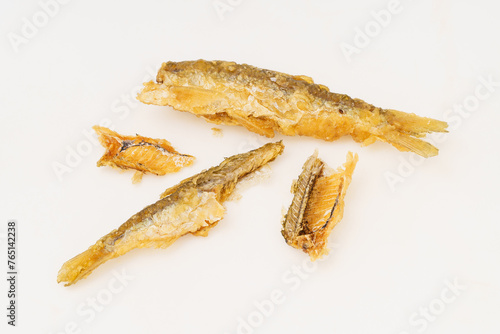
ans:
(265, 101)
(193, 206)
(317, 206)
(145, 155)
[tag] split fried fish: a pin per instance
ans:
(145, 155)
(317, 206)
(265, 101)
(193, 206)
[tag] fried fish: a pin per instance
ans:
(145, 155)
(265, 101)
(193, 206)
(317, 206)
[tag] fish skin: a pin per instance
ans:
(317, 205)
(266, 101)
(193, 206)
(143, 154)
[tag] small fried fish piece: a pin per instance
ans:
(265, 101)
(145, 155)
(193, 206)
(317, 206)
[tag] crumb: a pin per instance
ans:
(137, 177)
(217, 132)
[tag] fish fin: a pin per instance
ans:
(305, 78)
(413, 124)
(323, 87)
(405, 142)
(258, 125)
(173, 189)
(406, 129)
(169, 191)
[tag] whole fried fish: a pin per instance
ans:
(317, 206)
(265, 101)
(193, 206)
(145, 155)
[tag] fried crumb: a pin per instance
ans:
(217, 132)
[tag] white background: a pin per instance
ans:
(396, 247)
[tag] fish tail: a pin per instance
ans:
(413, 124)
(405, 142)
(83, 264)
(405, 130)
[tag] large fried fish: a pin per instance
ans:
(193, 206)
(145, 155)
(266, 101)
(317, 206)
